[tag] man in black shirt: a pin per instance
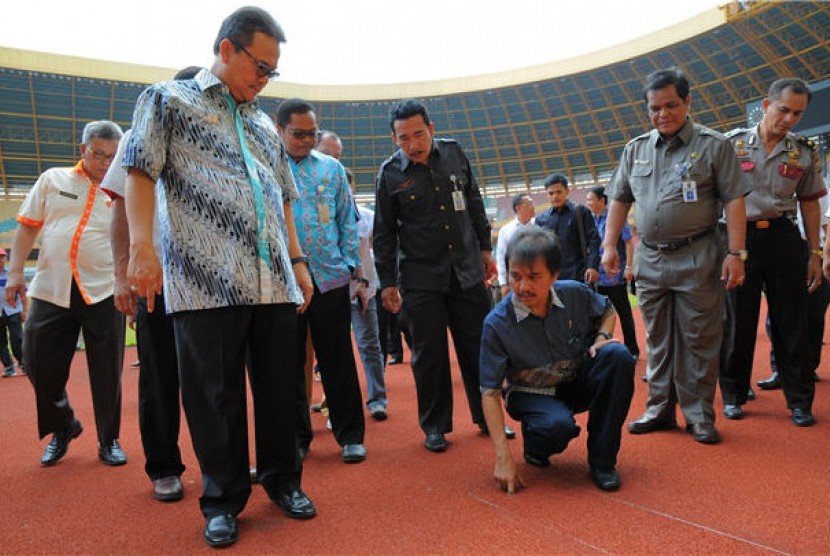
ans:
(432, 250)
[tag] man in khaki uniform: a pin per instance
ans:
(785, 175)
(679, 174)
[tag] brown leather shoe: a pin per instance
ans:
(705, 433)
(644, 425)
(168, 489)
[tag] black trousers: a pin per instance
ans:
(776, 267)
(329, 319)
(11, 332)
(618, 294)
(49, 343)
(159, 410)
(212, 347)
(427, 315)
(603, 387)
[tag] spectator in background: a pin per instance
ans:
(525, 212)
(72, 291)
(12, 316)
(615, 287)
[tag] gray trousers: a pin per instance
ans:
(681, 299)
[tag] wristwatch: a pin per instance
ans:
(606, 335)
(742, 254)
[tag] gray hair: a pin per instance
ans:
(101, 129)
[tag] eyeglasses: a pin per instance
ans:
(101, 157)
(300, 134)
(262, 69)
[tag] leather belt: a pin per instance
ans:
(675, 245)
(764, 224)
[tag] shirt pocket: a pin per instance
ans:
(642, 174)
(413, 199)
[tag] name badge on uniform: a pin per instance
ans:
(323, 212)
(67, 194)
(690, 191)
(747, 165)
(791, 171)
(458, 201)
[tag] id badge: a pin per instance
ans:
(323, 213)
(690, 191)
(458, 201)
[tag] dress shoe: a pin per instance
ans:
(57, 447)
(295, 504)
(705, 433)
(606, 479)
(111, 453)
(803, 417)
(535, 461)
(508, 431)
(168, 489)
(772, 383)
(221, 530)
(8, 371)
(354, 453)
(395, 359)
(378, 413)
(644, 425)
(733, 411)
(435, 442)
(750, 394)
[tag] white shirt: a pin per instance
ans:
(74, 217)
(505, 235)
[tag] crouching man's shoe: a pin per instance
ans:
(111, 453)
(221, 530)
(57, 447)
(606, 479)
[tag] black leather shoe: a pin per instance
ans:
(111, 453)
(435, 442)
(536, 462)
(645, 425)
(705, 433)
(221, 530)
(606, 479)
(772, 383)
(57, 447)
(295, 503)
(354, 453)
(750, 394)
(168, 489)
(733, 411)
(803, 417)
(508, 431)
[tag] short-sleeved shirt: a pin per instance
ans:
(780, 179)
(325, 220)
(74, 217)
(422, 237)
(652, 172)
(625, 235)
(184, 137)
(505, 235)
(535, 354)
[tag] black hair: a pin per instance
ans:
(516, 200)
(599, 192)
(240, 26)
(795, 85)
(292, 106)
(531, 243)
(406, 109)
(187, 73)
(664, 78)
(556, 178)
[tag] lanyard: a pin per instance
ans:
(263, 247)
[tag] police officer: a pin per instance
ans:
(432, 249)
(679, 174)
(784, 174)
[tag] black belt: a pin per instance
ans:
(675, 245)
(768, 223)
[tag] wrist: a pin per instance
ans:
(300, 259)
(604, 334)
(817, 252)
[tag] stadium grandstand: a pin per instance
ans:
(572, 116)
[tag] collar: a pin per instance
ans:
(314, 154)
(405, 162)
(79, 168)
(206, 80)
(522, 312)
(684, 135)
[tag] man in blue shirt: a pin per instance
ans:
(552, 342)
(11, 317)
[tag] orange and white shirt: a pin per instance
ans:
(74, 217)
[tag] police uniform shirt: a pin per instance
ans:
(789, 173)
(422, 235)
(653, 171)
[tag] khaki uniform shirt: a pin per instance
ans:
(652, 173)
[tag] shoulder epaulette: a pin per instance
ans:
(703, 130)
(807, 142)
(642, 137)
(736, 131)
(446, 140)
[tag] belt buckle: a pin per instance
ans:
(665, 247)
(761, 224)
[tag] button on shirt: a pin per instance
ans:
(184, 137)
(652, 170)
(536, 354)
(420, 237)
(505, 235)
(74, 217)
(328, 235)
(789, 173)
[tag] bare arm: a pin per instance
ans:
(144, 269)
(628, 273)
(617, 213)
(506, 474)
(733, 267)
(24, 240)
(301, 273)
(811, 218)
(125, 299)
